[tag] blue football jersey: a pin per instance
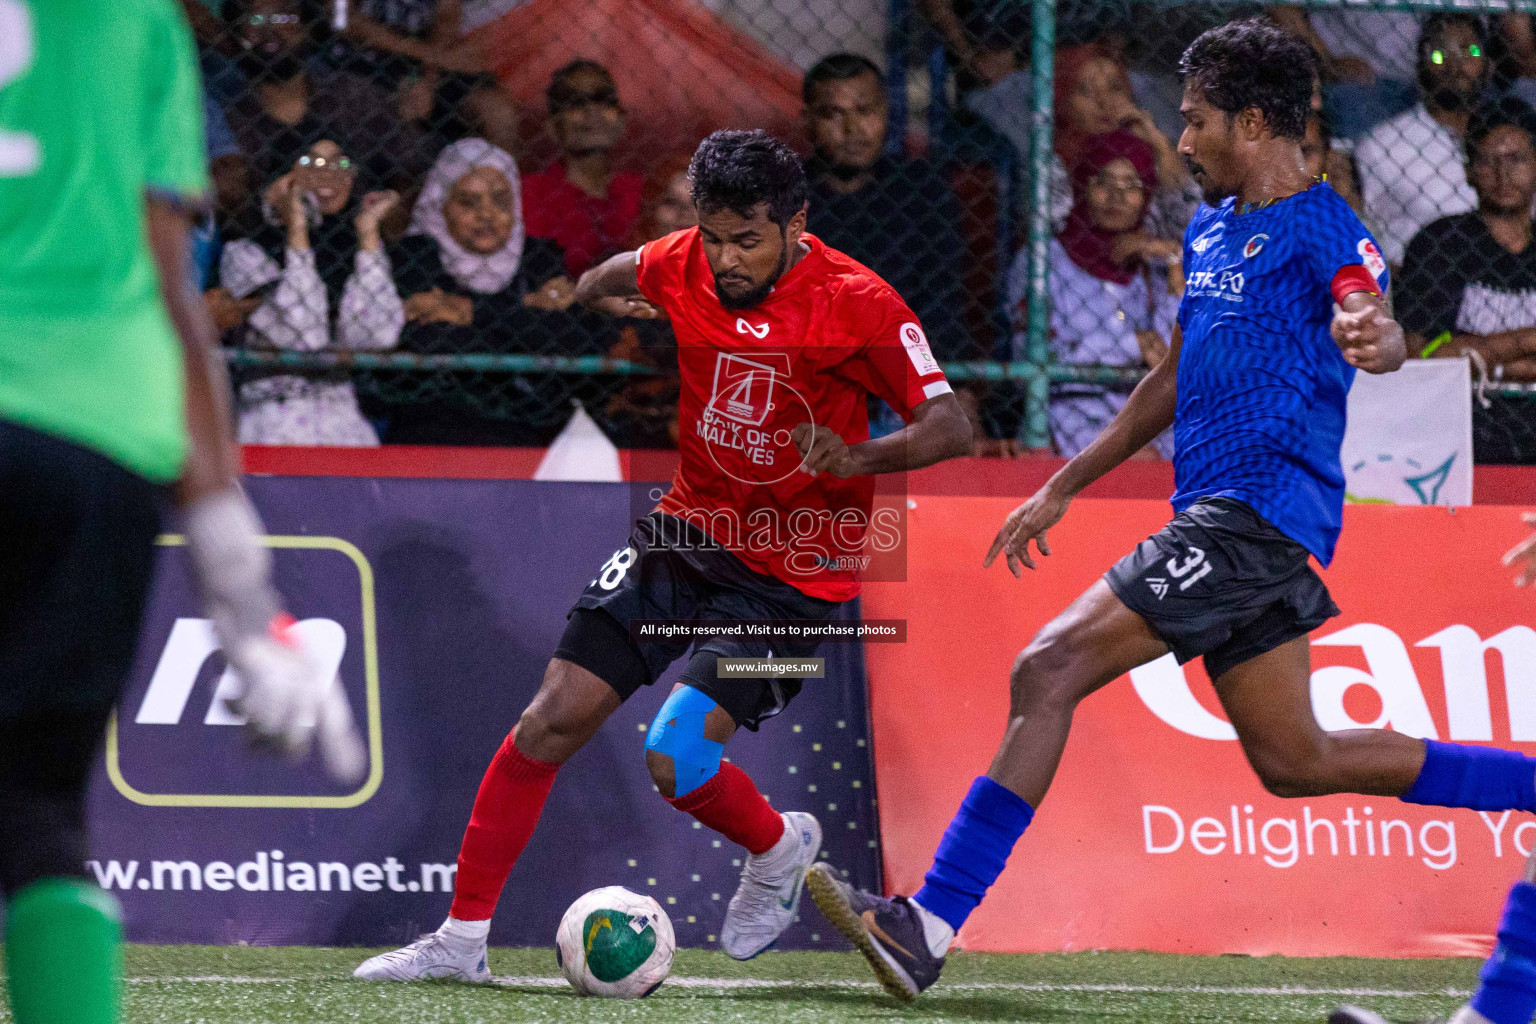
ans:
(1261, 384)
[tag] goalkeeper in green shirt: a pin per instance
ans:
(112, 404)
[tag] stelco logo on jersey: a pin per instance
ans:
(176, 695)
(1371, 257)
(1216, 284)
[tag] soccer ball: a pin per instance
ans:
(615, 943)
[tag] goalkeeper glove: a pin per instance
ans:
(283, 696)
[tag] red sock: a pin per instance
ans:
(506, 810)
(730, 804)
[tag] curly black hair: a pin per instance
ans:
(738, 170)
(1254, 63)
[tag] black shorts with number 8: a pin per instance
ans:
(671, 569)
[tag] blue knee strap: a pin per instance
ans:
(678, 732)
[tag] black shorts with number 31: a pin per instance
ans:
(1220, 581)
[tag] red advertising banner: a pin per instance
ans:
(1157, 835)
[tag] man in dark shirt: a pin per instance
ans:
(1468, 283)
(896, 216)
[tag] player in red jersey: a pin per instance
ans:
(780, 342)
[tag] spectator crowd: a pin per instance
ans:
(369, 197)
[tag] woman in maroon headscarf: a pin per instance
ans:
(1114, 288)
(1093, 97)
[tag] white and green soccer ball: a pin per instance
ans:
(615, 943)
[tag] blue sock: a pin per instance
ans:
(973, 851)
(1477, 778)
(1507, 994)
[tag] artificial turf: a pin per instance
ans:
(276, 985)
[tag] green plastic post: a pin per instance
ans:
(1043, 66)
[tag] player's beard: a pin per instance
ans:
(759, 293)
(1209, 190)
(1213, 195)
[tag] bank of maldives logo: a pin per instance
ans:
(174, 742)
(744, 388)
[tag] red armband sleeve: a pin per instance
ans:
(1351, 279)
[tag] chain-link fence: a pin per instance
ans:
(408, 189)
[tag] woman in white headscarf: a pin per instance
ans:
(471, 280)
(466, 272)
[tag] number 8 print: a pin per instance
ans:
(614, 570)
(20, 154)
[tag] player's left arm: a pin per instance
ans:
(894, 362)
(939, 430)
(1343, 258)
(1364, 329)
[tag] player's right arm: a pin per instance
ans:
(284, 697)
(212, 461)
(613, 287)
(1147, 413)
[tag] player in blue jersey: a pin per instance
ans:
(1506, 990)
(1283, 303)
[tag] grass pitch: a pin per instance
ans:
(277, 985)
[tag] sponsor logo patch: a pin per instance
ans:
(1372, 258)
(916, 343)
(743, 389)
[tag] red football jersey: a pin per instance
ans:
(830, 333)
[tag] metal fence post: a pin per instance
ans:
(1043, 66)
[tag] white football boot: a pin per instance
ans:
(430, 956)
(769, 893)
